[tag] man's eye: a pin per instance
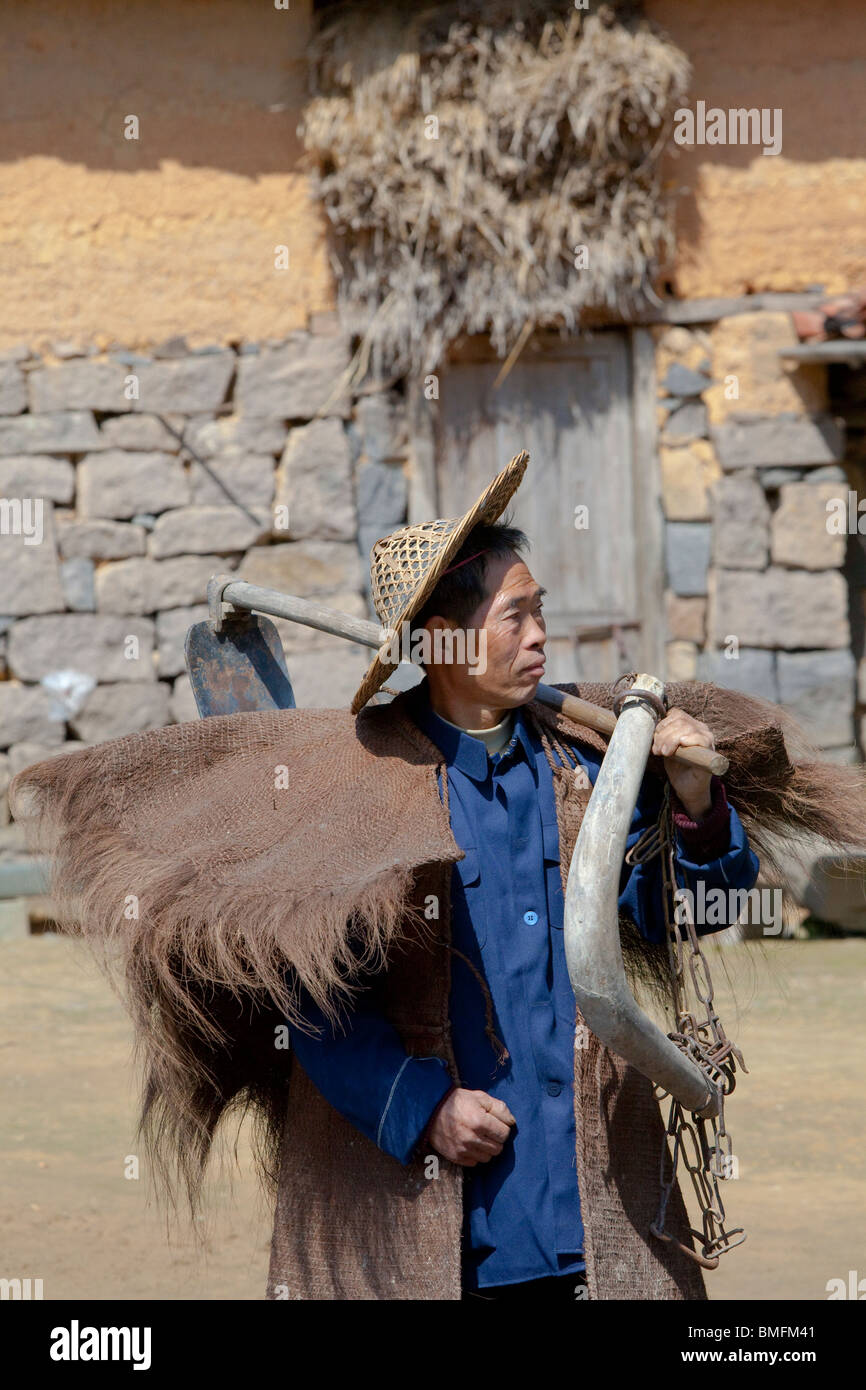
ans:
(539, 612)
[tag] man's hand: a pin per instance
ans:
(470, 1127)
(691, 784)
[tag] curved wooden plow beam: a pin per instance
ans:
(592, 945)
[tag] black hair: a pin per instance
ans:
(459, 593)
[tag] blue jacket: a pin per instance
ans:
(522, 1216)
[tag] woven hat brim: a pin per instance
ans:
(489, 506)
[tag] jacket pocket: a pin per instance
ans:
(479, 1229)
(550, 844)
(550, 840)
(469, 872)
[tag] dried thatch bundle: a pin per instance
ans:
(463, 153)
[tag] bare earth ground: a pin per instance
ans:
(67, 1105)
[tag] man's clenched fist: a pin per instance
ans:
(691, 784)
(470, 1127)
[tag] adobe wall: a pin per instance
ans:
(105, 240)
(745, 221)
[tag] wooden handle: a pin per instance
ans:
(253, 599)
(604, 722)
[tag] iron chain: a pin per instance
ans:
(704, 1144)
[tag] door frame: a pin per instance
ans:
(646, 471)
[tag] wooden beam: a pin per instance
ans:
(649, 516)
(686, 311)
(422, 417)
(837, 350)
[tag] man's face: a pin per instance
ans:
(511, 628)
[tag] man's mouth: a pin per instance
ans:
(536, 670)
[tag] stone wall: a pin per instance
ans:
(153, 473)
(156, 471)
(759, 589)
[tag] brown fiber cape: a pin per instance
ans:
(213, 864)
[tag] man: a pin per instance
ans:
(511, 1124)
(242, 870)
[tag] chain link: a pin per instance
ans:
(703, 1144)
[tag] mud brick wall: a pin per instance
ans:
(760, 595)
(144, 498)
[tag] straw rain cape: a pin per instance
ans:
(247, 881)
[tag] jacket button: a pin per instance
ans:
(530, 918)
(554, 1088)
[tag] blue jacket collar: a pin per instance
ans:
(461, 750)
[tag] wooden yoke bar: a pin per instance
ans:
(226, 593)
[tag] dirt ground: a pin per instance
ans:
(67, 1102)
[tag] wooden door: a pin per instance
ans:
(580, 502)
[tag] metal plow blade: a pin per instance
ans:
(241, 667)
